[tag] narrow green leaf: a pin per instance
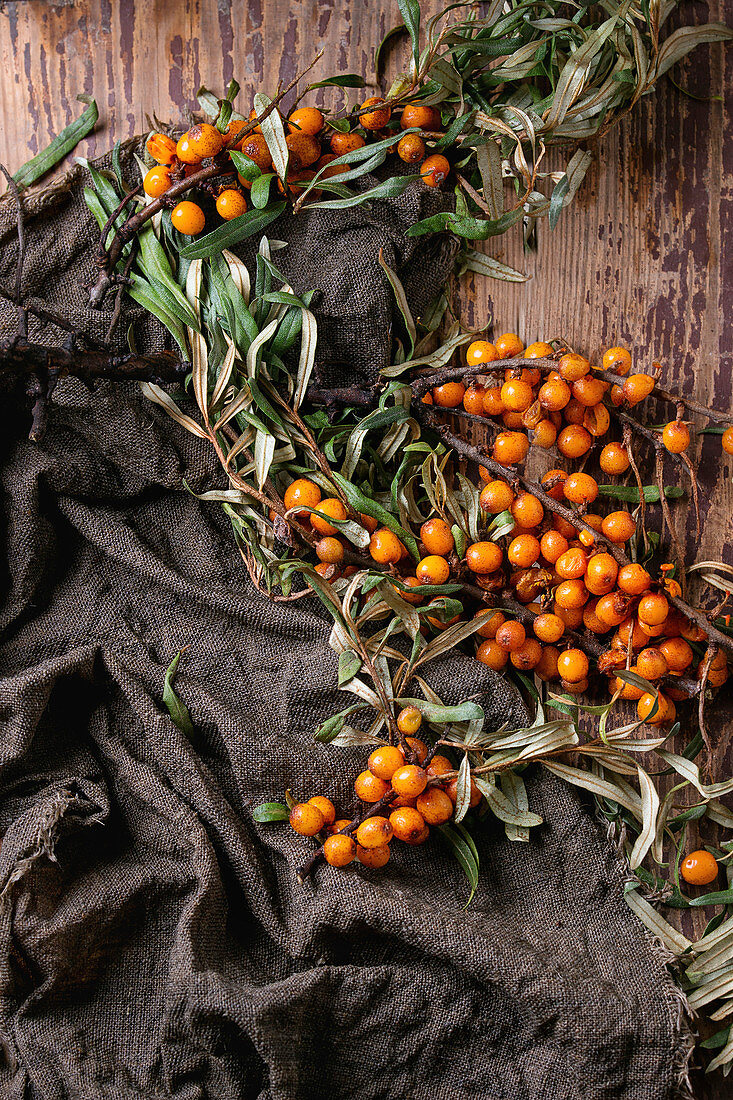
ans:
(349, 665)
(177, 709)
(254, 221)
(456, 838)
(269, 812)
(62, 144)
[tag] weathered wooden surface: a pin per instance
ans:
(640, 258)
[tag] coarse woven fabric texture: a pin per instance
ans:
(153, 939)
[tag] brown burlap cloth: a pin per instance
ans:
(153, 939)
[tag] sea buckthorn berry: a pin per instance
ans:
(633, 579)
(637, 387)
(161, 148)
(330, 549)
(374, 832)
(510, 448)
(589, 390)
(547, 668)
(629, 630)
(188, 218)
(409, 720)
(481, 351)
(527, 656)
(373, 857)
(651, 663)
(304, 150)
(407, 823)
(452, 791)
(677, 653)
(421, 116)
(580, 488)
(491, 621)
(409, 780)
(493, 404)
(600, 576)
(591, 621)
(574, 412)
(306, 120)
(337, 825)
(727, 441)
(449, 395)
(513, 421)
(342, 143)
(484, 557)
(326, 806)
(554, 395)
(691, 631)
(369, 787)
(574, 441)
(231, 204)
(597, 420)
(205, 140)
(302, 491)
(157, 181)
(617, 360)
(384, 761)
(614, 459)
(491, 654)
(572, 595)
(527, 510)
(552, 546)
(549, 628)
(511, 636)
(439, 765)
(653, 609)
(516, 395)
(509, 345)
(618, 527)
(233, 129)
(676, 437)
(545, 434)
(437, 537)
(573, 367)
(572, 564)
(473, 399)
(572, 665)
(328, 572)
(538, 350)
(385, 547)
(594, 521)
(377, 116)
(657, 711)
(418, 748)
(434, 170)
(185, 150)
(306, 819)
(617, 395)
(700, 868)
(411, 148)
(561, 525)
(332, 507)
(409, 597)
(496, 496)
(254, 146)
(435, 806)
(571, 616)
(524, 551)
(432, 570)
(339, 850)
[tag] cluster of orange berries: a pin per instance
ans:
(312, 146)
(414, 796)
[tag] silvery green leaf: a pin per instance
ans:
(670, 937)
(494, 269)
(575, 73)
(488, 159)
(264, 451)
(616, 792)
(649, 809)
(515, 791)
(503, 808)
(463, 790)
(308, 339)
(274, 134)
(681, 41)
(349, 664)
(160, 397)
(349, 737)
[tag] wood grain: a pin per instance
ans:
(639, 259)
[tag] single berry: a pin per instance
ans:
(306, 819)
(384, 761)
(700, 868)
(339, 850)
(409, 720)
(188, 218)
(374, 832)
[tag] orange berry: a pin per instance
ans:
(452, 791)
(580, 488)
(547, 668)
(617, 360)
(410, 597)
(492, 622)
(230, 204)
(637, 387)
(554, 395)
(378, 116)
(411, 148)
(493, 404)
(234, 128)
(205, 140)
(629, 629)
(330, 550)
(656, 711)
(618, 527)
(510, 447)
(594, 521)
(484, 557)
(553, 545)
(432, 570)
(306, 120)
(538, 350)
(161, 148)
(676, 437)
(306, 819)
(369, 787)
(633, 579)
(653, 609)
(511, 636)
(527, 656)
(439, 765)
(572, 665)
(255, 147)
(512, 420)
(549, 628)
(572, 595)
(509, 346)
(342, 143)
(571, 616)
(407, 823)
(373, 857)
(613, 459)
(185, 150)
(516, 395)
(449, 395)
(572, 564)
(473, 399)
(409, 720)
(589, 390)
(419, 748)
(409, 780)
(302, 491)
(326, 806)
(491, 654)
(591, 621)
(332, 507)
(597, 420)
(545, 434)
(677, 653)
(385, 547)
(157, 181)
(727, 441)
(374, 832)
(496, 496)
(601, 574)
(188, 218)
(700, 868)
(574, 441)
(608, 612)
(573, 367)
(421, 116)
(339, 850)
(527, 510)
(434, 170)
(435, 806)
(384, 761)
(574, 412)
(304, 151)
(523, 551)
(437, 537)
(337, 825)
(481, 351)
(651, 663)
